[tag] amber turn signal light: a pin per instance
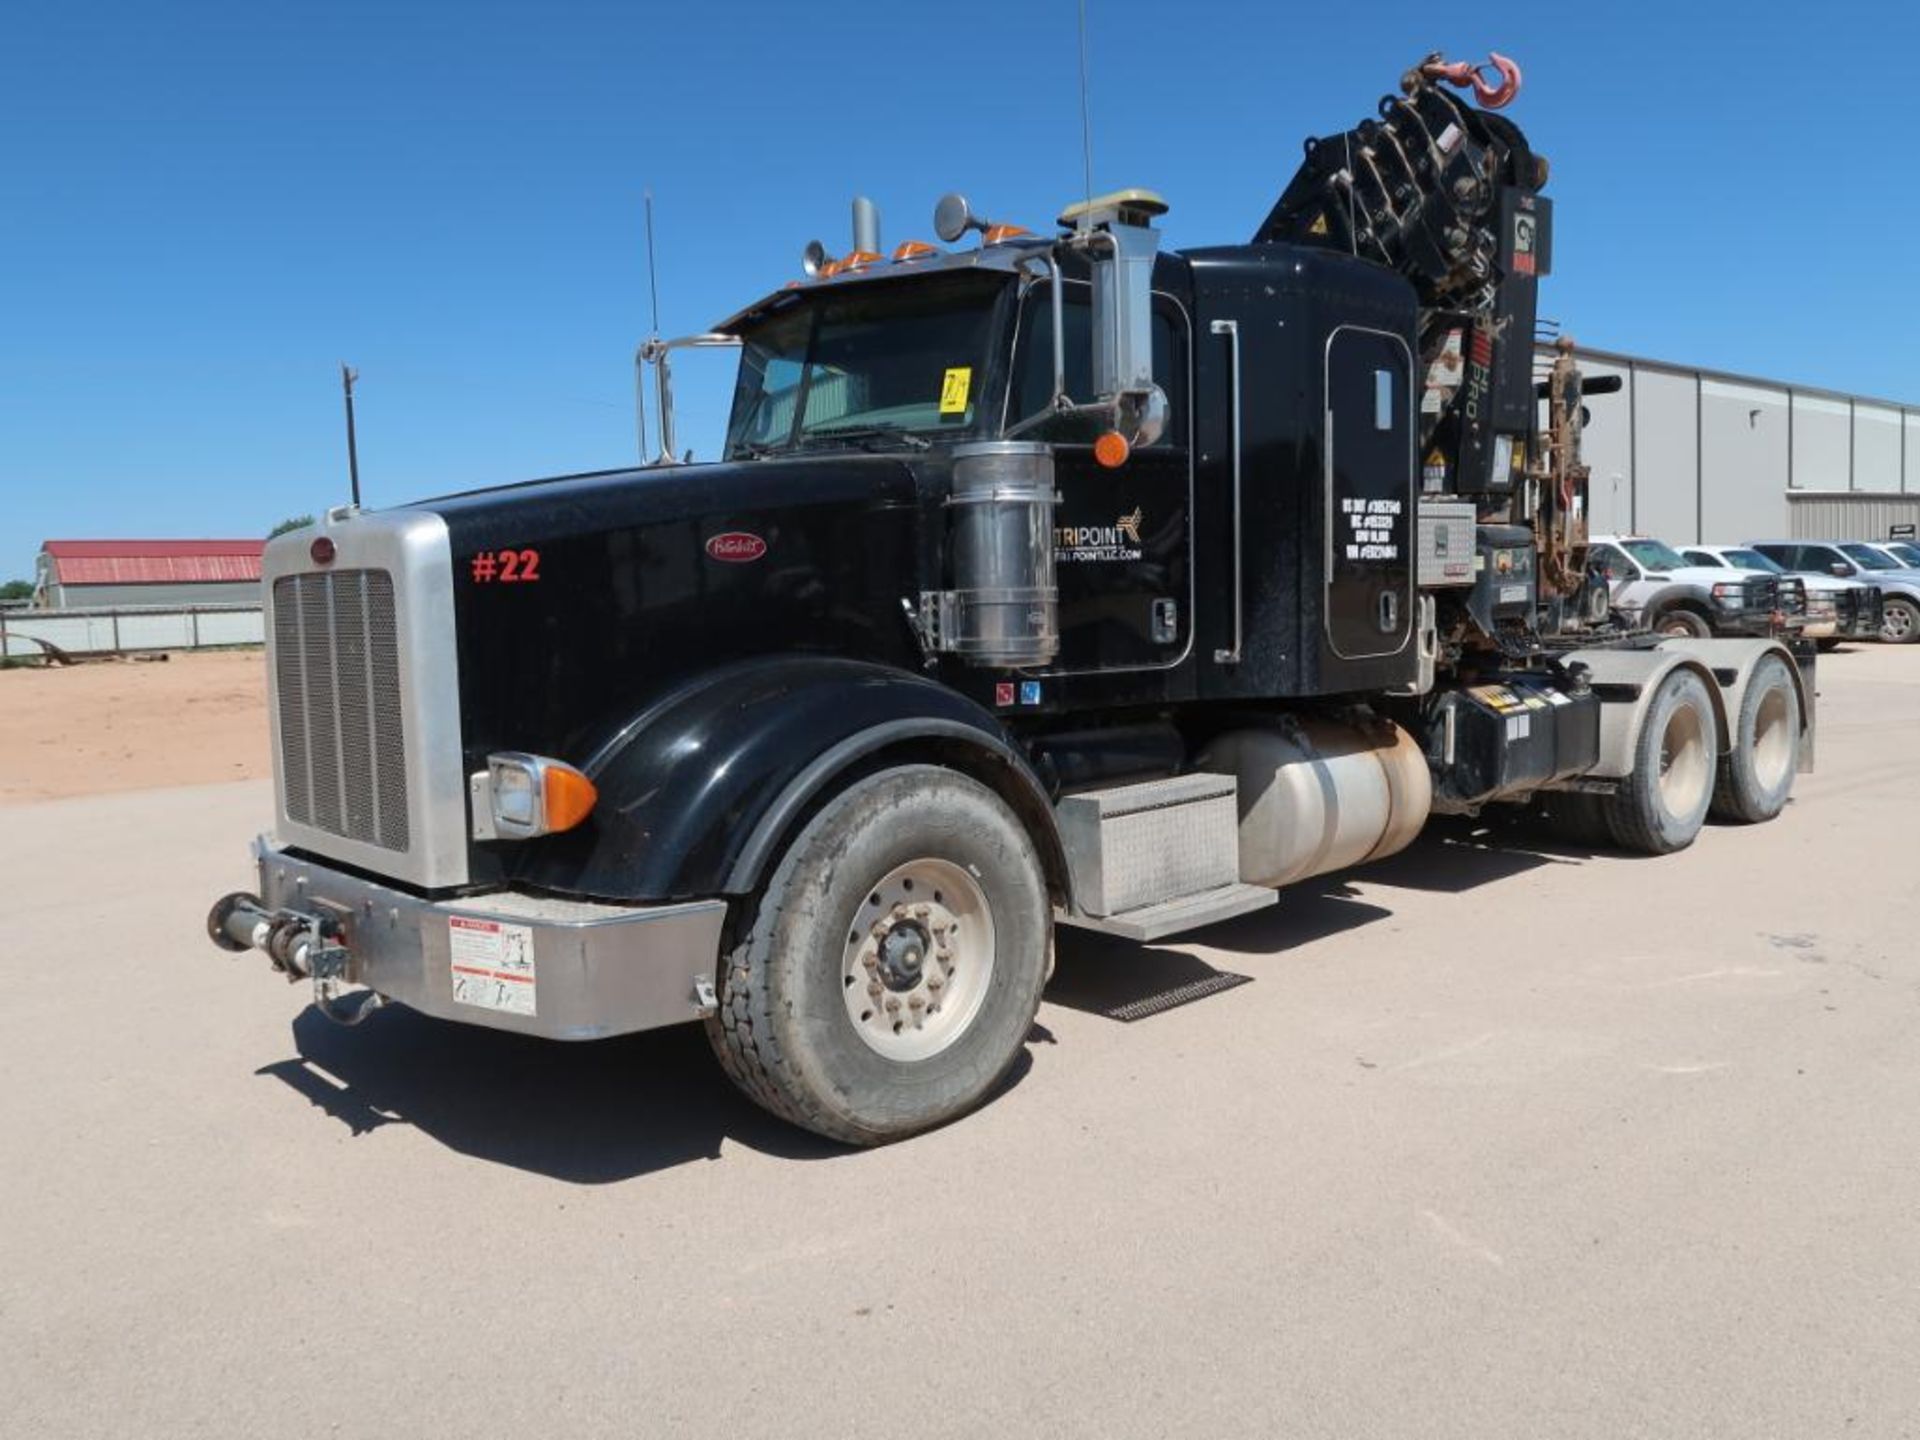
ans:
(570, 797)
(1112, 450)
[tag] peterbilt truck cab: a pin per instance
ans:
(1044, 582)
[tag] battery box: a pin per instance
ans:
(1488, 742)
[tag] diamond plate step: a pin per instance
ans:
(1171, 917)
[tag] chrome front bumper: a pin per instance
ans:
(562, 969)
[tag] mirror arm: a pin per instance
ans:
(654, 351)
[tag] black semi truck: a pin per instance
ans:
(1045, 580)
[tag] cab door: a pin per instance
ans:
(1369, 603)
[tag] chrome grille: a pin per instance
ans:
(337, 681)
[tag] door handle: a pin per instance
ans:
(1231, 329)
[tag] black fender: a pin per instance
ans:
(699, 792)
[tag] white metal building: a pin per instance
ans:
(1702, 455)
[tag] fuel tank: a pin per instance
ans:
(1321, 794)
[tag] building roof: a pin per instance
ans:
(153, 562)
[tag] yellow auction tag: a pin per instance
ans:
(953, 390)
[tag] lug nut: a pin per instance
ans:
(893, 1004)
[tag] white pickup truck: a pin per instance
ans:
(1837, 609)
(1658, 589)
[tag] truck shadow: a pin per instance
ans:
(589, 1114)
(1117, 979)
(613, 1110)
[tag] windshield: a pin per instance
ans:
(1903, 550)
(870, 360)
(1752, 560)
(1868, 558)
(1653, 555)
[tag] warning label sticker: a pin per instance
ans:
(492, 964)
(954, 389)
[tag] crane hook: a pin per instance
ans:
(1464, 73)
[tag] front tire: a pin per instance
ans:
(890, 972)
(1899, 621)
(1660, 806)
(1756, 775)
(1683, 624)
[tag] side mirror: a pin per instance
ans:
(953, 217)
(1122, 243)
(1840, 567)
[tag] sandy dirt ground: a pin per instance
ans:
(1507, 1140)
(126, 725)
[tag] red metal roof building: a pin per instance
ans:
(73, 574)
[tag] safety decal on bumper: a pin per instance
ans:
(492, 964)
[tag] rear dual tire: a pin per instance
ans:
(1756, 775)
(1660, 805)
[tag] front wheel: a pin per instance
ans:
(1685, 624)
(1899, 622)
(888, 976)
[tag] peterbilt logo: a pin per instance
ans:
(736, 547)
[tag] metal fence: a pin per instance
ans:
(116, 631)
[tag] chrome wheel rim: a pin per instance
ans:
(1685, 761)
(918, 959)
(1896, 621)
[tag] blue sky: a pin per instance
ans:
(207, 206)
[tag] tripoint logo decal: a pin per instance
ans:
(736, 547)
(1118, 541)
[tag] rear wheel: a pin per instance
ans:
(1660, 806)
(1756, 774)
(888, 977)
(1689, 624)
(1899, 621)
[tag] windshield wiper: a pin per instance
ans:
(872, 437)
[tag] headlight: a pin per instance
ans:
(521, 796)
(1729, 594)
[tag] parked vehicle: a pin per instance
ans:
(1658, 589)
(1836, 609)
(1045, 580)
(1905, 551)
(1856, 560)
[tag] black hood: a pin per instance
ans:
(581, 599)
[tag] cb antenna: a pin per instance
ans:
(347, 376)
(653, 278)
(1086, 122)
(653, 288)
